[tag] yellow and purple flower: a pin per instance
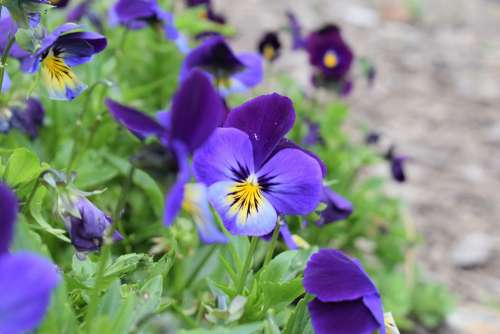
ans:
(26, 280)
(197, 110)
(232, 73)
(331, 57)
(209, 10)
(139, 14)
(251, 178)
(60, 51)
(347, 301)
(270, 46)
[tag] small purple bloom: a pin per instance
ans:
(296, 30)
(59, 52)
(313, 136)
(27, 279)
(372, 138)
(397, 164)
(347, 301)
(28, 119)
(269, 46)
(88, 230)
(197, 110)
(232, 73)
(337, 207)
(329, 54)
(138, 14)
(250, 181)
(210, 13)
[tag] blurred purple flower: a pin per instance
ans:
(269, 46)
(27, 279)
(210, 13)
(59, 52)
(27, 120)
(87, 230)
(197, 110)
(138, 14)
(8, 27)
(337, 207)
(347, 301)
(296, 30)
(313, 136)
(397, 164)
(232, 73)
(249, 181)
(372, 138)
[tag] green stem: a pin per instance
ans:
(247, 266)
(94, 295)
(118, 224)
(272, 246)
(194, 274)
(32, 194)
(5, 54)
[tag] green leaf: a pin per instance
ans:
(299, 322)
(23, 166)
(252, 328)
(36, 207)
(278, 295)
(149, 299)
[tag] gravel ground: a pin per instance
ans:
(436, 96)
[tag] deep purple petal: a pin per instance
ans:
(397, 163)
(8, 214)
(253, 74)
(347, 317)
(78, 12)
(49, 40)
(197, 110)
(332, 276)
(225, 153)
(129, 11)
(79, 47)
(266, 119)
(175, 197)
(292, 181)
(135, 121)
(337, 207)
(296, 30)
(288, 237)
(374, 304)
(26, 282)
(286, 143)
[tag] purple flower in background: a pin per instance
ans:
(296, 30)
(337, 207)
(209, 13)
(27, 120)
(372, 137)
(313, 136)
(397, 164)
(331, 57)
(232, 73)
(27, 279)
(138, 14)
(59, 52)
(8, 27)
(88, 228)
(269, 46)
(347, 301)
(84, 10)
(250, 179)
(196, 111)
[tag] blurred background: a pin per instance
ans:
(436, 95)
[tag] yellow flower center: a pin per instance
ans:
(330, 59)
(245, 197)
(269, 52)
(55, 72)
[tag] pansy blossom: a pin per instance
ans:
(209, 12)
(250, 179)
(196, 111)
(60, 51)
(346, 300)
(231, 72)
(269, 46)
(27, 279)
(28, 119)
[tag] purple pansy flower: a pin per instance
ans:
(196, 111)
(87, 230)
(210, 13)
(232, 73)
(27, 279)
(331, 57)
(296, 31)
(27, 120)
(397, 164)
(138, 14)
(337, 207)
(269, 46)
(59, 52)
(347, 301)
(251, 181)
